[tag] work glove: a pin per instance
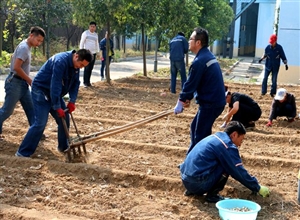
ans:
(223, 125)
(61, 113)
(71, 107)
(264, 191)
(260, 60)
(269, 124)
(286, 67)
(179, 107)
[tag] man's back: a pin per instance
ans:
(178, 47)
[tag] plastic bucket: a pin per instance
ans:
(226, 211)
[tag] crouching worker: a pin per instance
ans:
(242, 108)
(284, 104)
(57, 77)
(209, 164)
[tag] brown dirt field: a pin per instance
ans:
(134, 174)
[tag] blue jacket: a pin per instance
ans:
(178, 47)
(211, 157)
(57, 77)
(103, 47)
(205, 81)
(273, 57)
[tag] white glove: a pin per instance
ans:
(223, 125)
(179, 107)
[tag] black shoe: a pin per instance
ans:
(188, 193)
(272, 95)
(213, 198)
(43, 137)
(263, 93)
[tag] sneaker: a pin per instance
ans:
(290, 119)
(263, 94)
(1, 137)
(102, 78)
(213, 198)
(272, 95)
(17, 154)
(188, 193)
(62, 151)
(85, 85)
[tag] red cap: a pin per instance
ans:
(273, 39)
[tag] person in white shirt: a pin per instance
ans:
(89, 41)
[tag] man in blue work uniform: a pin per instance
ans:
(205, 82)
(111, 53)
(178, 47)
(207, 167)
(273, 52)
(57, 77)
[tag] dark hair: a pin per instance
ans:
(181, 34)
(37, 31)
(233, 126)
(93, 23)
(202, 35)
(226, 88)
(84, 54)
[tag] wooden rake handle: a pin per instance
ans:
(117, 130)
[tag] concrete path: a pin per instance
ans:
(117, 70)
(246, 70)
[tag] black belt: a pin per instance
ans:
(17, 77)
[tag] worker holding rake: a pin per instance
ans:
(57, 77)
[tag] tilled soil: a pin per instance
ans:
(134, 174)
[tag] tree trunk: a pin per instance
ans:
(107, 73)
(144, 52)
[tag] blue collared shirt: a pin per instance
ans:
(57, 77)
(214, 155)
(205, 81)
(274, 54)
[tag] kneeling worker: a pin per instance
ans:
(242, 108)
(284, 104)
(207, 167)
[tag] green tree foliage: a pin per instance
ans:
(216, 16)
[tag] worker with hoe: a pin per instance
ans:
(207, 167)
(57, 77)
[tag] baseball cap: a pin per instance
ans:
(280, 94)
(273, 39)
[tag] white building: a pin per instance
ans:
(261, 19)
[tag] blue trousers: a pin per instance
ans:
(265, 81)
(16, 90)
(175, 67)
(202, 123)
(103, 64)
(42, 106)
